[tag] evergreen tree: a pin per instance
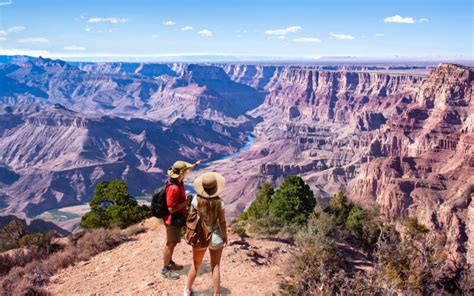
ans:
(339, 207)
(355, 220)
(261, 205)
(293, 201)
(113, 206)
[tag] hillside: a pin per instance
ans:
(251, 268)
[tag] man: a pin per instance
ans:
(176, 202)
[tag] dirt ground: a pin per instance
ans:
(250, 267)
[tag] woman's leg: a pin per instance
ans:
(198, 255)
(216, 270)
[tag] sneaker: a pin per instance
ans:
(188, 292)
(169, 274)
(174, 266)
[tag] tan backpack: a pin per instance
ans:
(197, 234)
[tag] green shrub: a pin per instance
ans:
(355, 221)
(414, 229)
(339, 207)
(321, 226)
(279, 213)
(112, 206)
(261, 205)
(293, 201)
(94, 219)
(11, 234)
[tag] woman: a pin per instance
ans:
(211, 210)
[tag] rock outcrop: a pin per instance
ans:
(422, 161)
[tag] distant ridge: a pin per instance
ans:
(36, 225)
(239, 59)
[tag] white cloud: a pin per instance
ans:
(34, 40)
(112, 20)
(379, 35)
(307, 40)
(6, 3)
(205, 33)
(21, 51)
(292, 29)
(423, 20)
(282, 37)
(3, 38)
(186, 28)
(342, 36)
(399, 19)
(169, 23)
(74, 47)
(14, 29)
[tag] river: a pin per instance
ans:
(74, 212)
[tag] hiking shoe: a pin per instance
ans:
(169, 274)
(174, 266)
(188, 292)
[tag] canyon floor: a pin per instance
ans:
(253, 267)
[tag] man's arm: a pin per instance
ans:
(189, 169)
(178, 207)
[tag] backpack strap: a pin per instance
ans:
(169, 183)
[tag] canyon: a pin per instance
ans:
(399, 137)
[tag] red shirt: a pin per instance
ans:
(175, 196)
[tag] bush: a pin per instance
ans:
(112, 206)
(94, 219)
(317, 261)
(29, 279)
(260, 206)
(293, 201)
(99, 240)
(280, 213)
(339, 207)
(414, 229)
(11, 234)
(20, 257)
(355, 221)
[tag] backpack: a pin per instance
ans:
(159, 207)
(197, 234)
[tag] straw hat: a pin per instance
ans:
(209, 185)
(179, 168)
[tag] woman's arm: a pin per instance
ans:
(223, 225)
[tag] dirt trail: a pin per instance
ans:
(253, 267)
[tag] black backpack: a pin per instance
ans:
(159, 207)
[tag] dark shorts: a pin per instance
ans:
(173, 234)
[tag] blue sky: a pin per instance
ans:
(292, 28)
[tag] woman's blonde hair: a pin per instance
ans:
(210, 207)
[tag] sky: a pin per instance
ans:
(247, 28)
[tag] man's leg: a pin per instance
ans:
(168, 253)
(172, 239)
